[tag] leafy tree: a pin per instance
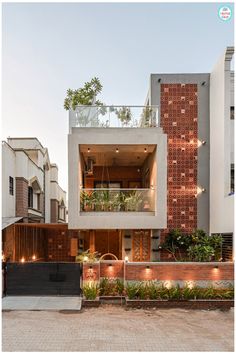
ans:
(85, 95)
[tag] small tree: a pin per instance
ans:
(85, 95)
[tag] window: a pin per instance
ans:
(38, 201)
(11, 185)
(30, 197)
(232, 178)
(232, 112)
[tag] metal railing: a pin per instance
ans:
(117, 200)
(114, 116)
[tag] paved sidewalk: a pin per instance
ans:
(113, 328)
(48, 303)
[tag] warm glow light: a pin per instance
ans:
(200, 143)
(117, 150)
(33, 257)
(85, 258)
(126, 258)
(145, 149)
(190, 284)
(168, 284)
(88, 149)
(200, 190)
(3, 257)
(22, 260)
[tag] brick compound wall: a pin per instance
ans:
(179, 121)
(170, 273)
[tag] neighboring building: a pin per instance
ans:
(137, 172)
(30, 189)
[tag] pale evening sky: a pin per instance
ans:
(49, 47)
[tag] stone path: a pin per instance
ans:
(113, 328)
(49, 303)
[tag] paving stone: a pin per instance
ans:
(112, 328)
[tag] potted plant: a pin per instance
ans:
(90, 294)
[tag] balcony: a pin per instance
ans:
(114, 117)
(117, 200)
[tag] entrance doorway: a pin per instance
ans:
(108, 241)
(141, 245)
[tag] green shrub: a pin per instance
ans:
(90, 291)
(132, 290)
(111, 287)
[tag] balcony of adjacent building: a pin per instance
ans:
(113, 117)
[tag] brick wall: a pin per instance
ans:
(196, 272)
(184, 271)
(21, 197)
(179, 121)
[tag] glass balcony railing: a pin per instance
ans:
(114, 116)
(117, 200)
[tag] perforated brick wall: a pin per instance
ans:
(179, 113)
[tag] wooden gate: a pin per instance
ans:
(141, 245)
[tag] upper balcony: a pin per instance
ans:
(113, 117)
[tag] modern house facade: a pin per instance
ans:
(136, 172)
(30, 189)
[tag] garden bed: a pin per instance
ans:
(209, 304)
(116, 300)
(91, 303)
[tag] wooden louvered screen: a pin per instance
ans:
(227, 247)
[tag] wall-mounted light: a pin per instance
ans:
(109, 265)
(89, 150)
(22, 260)
(201, 190)
(147, 267)
(33, 257)
(117, 150)
(85, 258)
(126, 259)
(151, 186)
(216, 267)
(203, 83)
(159, 80)
(90, 267)
(145, 150)
(201, 142)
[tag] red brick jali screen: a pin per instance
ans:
(179, 121)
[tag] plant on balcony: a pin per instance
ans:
(133, 201)
(85, 95)
(124, 114)
(146, 115)
(87, 200)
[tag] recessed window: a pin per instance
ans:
(232, 112)
(30, 197)
(11, 185)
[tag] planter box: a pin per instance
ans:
(115, 300)
(91, 303)
(187, 304)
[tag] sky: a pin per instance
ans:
(50, 47)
